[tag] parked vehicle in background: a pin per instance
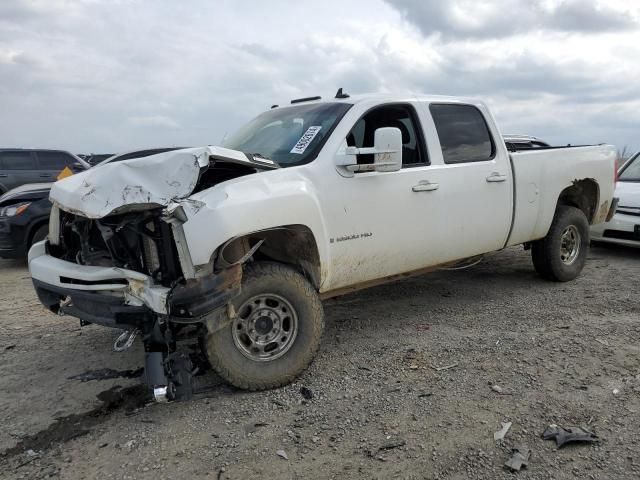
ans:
(233, 247)
(26, 165)
(136, 154)
(24, 211)
(523, 142)
(96, 158)
(624, 227)
(24, 218)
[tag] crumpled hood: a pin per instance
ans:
(139, 183)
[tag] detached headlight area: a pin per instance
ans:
(13, 210)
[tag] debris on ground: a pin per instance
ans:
(423, 327)
(499, 390)
(306, 393)
(446, 367)
(563, 435)
(282, 454)
(392, 444)
(499, 435)
(519, 458)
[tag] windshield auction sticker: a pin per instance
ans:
(305, 139)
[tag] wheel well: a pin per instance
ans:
(291, 244)
(33, 230)
(583, 194)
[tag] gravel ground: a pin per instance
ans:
(374, 404)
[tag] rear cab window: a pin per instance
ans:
(463, 133)
(16, 160)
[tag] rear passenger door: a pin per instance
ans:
(470, 211)
(17, 167)
(51, 163)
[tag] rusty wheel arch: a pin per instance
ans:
(583, 194)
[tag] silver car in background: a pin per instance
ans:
(624, 227)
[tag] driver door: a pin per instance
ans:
(378, 223)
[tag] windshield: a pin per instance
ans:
(289, 136)
(631, 172)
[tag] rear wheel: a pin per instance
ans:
(275, 333)
(561, 255)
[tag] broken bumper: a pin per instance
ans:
(105, 295)
(118, 297)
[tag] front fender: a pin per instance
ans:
(250, 204)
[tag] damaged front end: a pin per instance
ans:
(122, 261)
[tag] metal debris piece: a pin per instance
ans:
(447, 367)
(282, 454)
(499, 435)
(563, 435)
(519, 458)
(393, 444)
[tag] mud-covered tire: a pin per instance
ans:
(552, 259)
(227, 357)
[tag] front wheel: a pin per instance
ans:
(561, 255)
(275, 333)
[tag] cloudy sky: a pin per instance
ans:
(112, 75)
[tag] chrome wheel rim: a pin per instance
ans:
(569, 245)
(265, 327)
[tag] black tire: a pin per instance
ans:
(549, 259)
(229, 353)
(39, 235)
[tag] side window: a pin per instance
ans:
(402, 117)
(463, 132)
(16, 160)
(54, 160)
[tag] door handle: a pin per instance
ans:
(44, 175)
(4, 175)
(425, 187)
(496, 177)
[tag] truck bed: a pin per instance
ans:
(540, 176)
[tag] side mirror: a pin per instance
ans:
(387, 142)
(386, 150)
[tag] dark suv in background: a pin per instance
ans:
(24, 211)
(25, 165)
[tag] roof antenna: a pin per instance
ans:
(341, 94)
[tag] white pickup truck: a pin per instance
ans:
(235, 246)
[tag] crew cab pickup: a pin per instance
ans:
(234, 246)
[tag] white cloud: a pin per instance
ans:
(116, 75)
(153, 121)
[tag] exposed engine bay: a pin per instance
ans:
(144, 237)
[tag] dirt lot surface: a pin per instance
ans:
(567, 354)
